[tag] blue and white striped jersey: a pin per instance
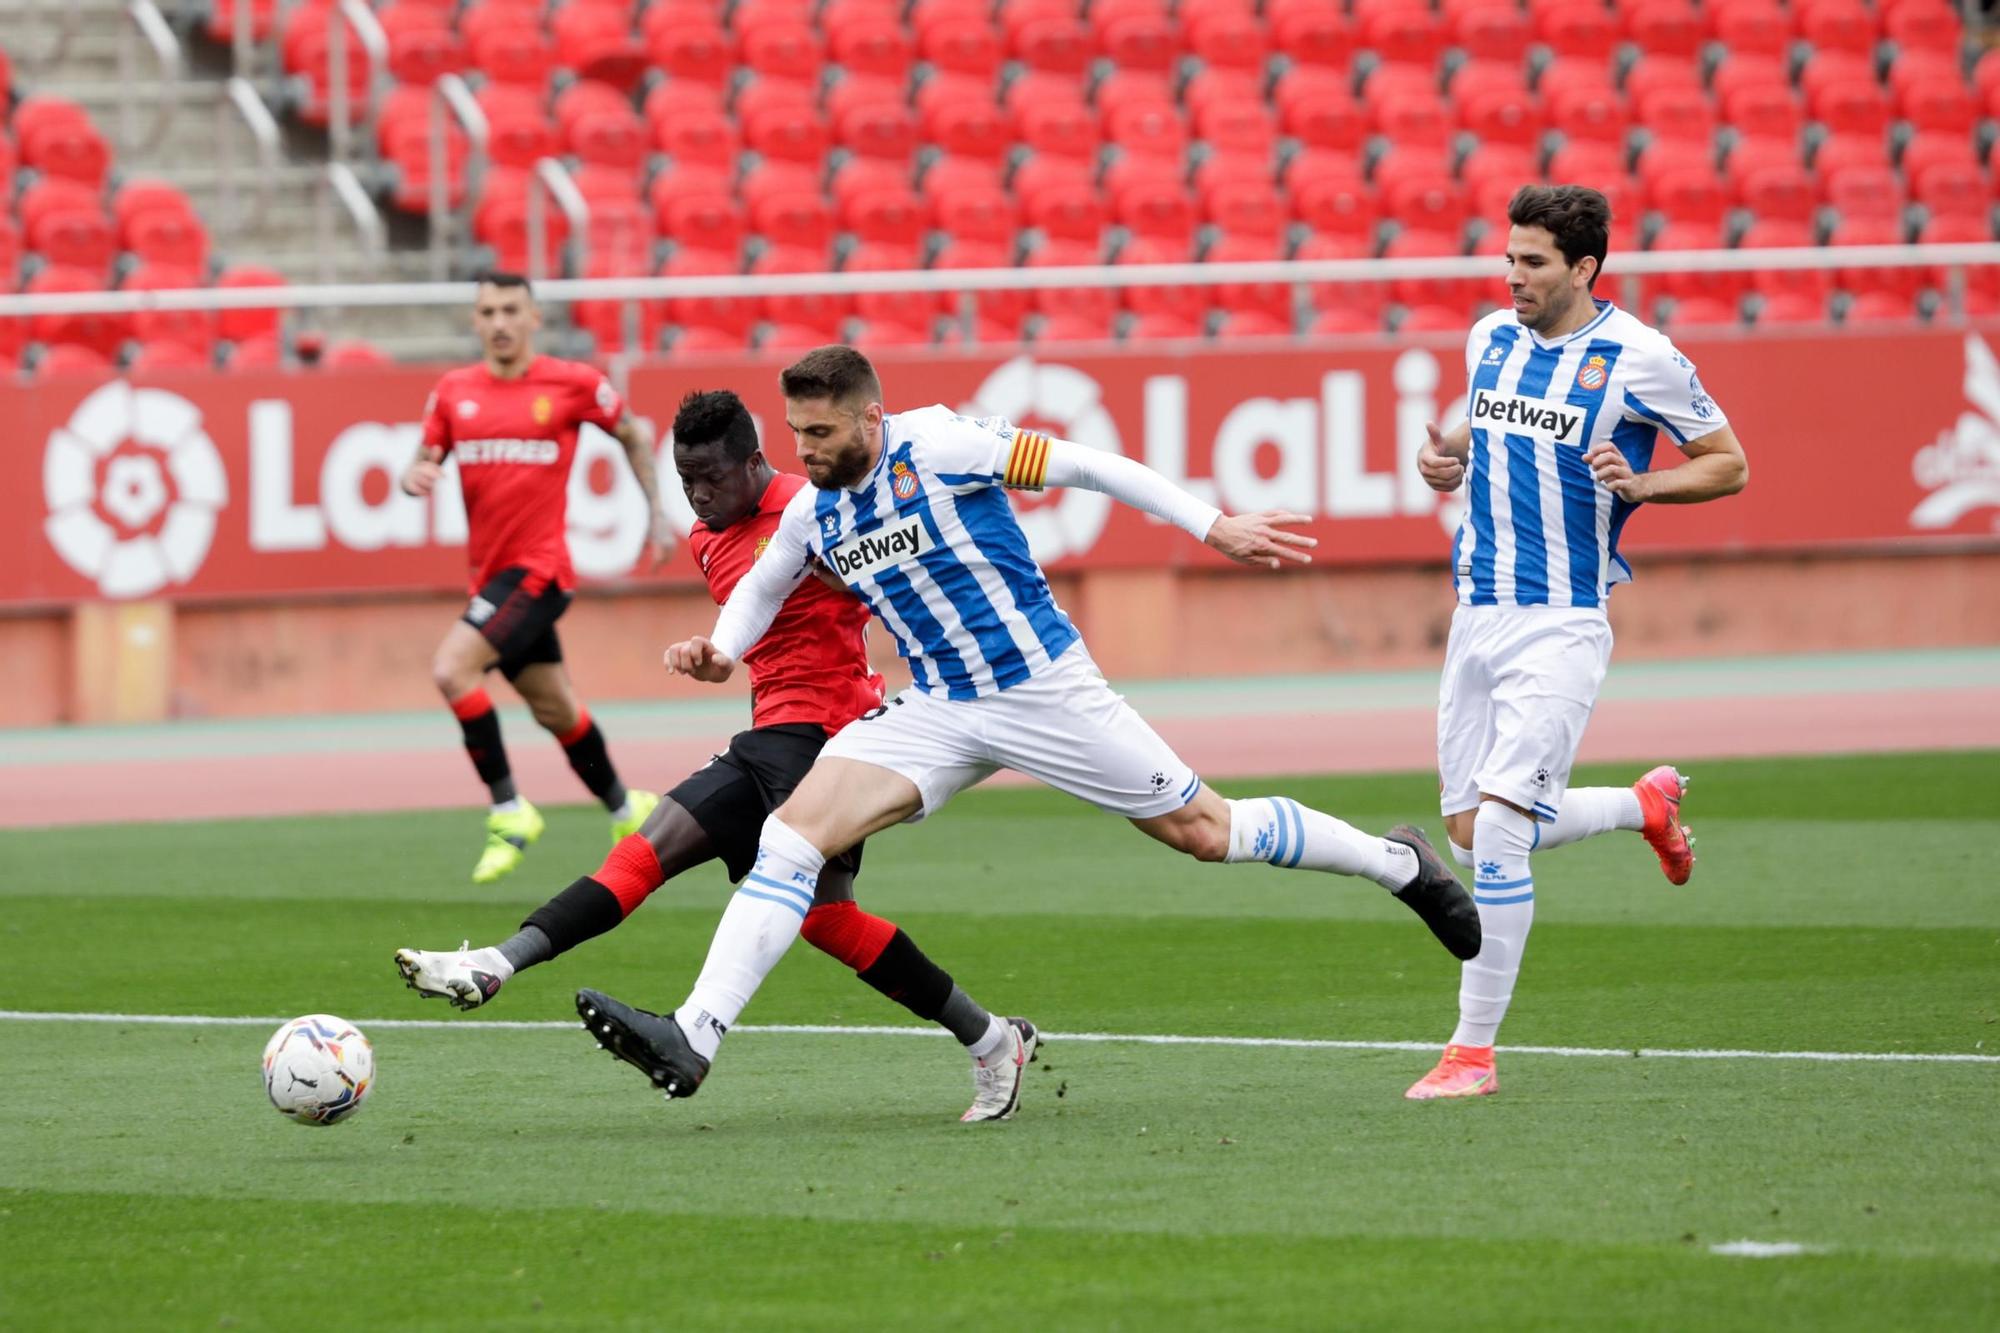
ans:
(1538, 530)
(930, 542)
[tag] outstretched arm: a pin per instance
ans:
(1250, 539)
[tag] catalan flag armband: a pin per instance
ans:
(1028, 463)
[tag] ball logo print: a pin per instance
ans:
(1071, 404)
(133, 485)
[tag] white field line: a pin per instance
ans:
(1133, 1038)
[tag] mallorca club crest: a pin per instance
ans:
(757, 551)
(903, 482)
(1961, 469)
(1593, 374)
(542, 410)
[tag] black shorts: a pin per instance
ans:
(736, 791)
(521, 625)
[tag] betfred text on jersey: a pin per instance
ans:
(1527, 416)
(865, 556)
(539, 453)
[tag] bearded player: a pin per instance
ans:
(512, 421)
(809, 677)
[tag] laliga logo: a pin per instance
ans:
(133, 486)
(1071, 402)
(1962, 469)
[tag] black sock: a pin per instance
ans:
(489, 755)
(906, 975)
(530, 945)
(592, 761)
(583, 911)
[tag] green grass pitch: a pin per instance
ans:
(511, 1179)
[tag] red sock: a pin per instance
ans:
(848, 933)
(471, 704)
(632, 871)
(577, 732)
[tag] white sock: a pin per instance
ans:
(510, 806)
(1285, 833)
(1462, 855)
(996, 1035)
(1586, 812)
(491, 960)
(1504, 889)
(760, 923)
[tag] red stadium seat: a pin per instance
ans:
(1850, 106)
(1357, 305)
(194, 329)
(1587, 162)
(967, 128)
(168, 357)
(1320, 113)
(79, 239)
(257, 354)
(999, 315)
(169, 236)
(887, 217)
(1495, 30)
(70, 149)
(521, 56)
(798, 220)
(100, 333)
(354, 354)
(1169, 310)
(819, 311)
(1701, 312)
(1327, 194)
(1682, 114)
(72, 361)
(1272, 302)
(1763, 111)
(1789, 309)
(595, 41)
(1088, 306)
(698, 136)
(1462, 295)
(871, 45)
(1939, 107)
(1924, 26)
(1904, 282)
(1404, 36)
(1047, 38)
(1953, 190)
(692, 51)
(1237, 127)
(1755, 29)
(778, 50)
(961, 45)
(1244, 209)
(1497, 115)
(1583, 30)
(1850, 150)
(1740, 73)
(1420, 199)
(1224, 38)
(1310, 32)
(1071, 213)
(1778, 194)
(1863, 194)
(788, 133)
(886, 130)
(1148, 130)
(1839, 25)
(1665, 28)
(610, 139)
(1815, 284)
(911, 310)
(1924, 153)
(729, 317)
(1585, 111)
(247, 322)
(420, 56)
(1158, 210)
(1882, 308)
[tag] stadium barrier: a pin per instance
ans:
(214, 544)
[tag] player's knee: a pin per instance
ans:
(1502, 835)
(452, 677)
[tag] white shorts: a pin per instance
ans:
(1519, 684)
(1065, 727)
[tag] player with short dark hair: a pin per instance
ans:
(512, 422)
(809, 677)
(909, 511)
(1566, 398)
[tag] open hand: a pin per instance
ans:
(1261, 539)
(698, 657)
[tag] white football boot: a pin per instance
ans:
(466, 976)
(996, 1080)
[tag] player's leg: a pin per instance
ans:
(1650, 807)
(882, 955)
(1544, 671)
(1068, 728)
(715, 811)
(492, 626)
(545, 685)
(895, 764)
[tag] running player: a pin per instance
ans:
(809, 678)
(909, 512)
(1567, 397)
(512, 420)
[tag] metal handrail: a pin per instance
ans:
(453, 100)
(354, 14)
(241, 94)
(151, 24)
(552, 179)
(1644, 263)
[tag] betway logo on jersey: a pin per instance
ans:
(865, 556)
(1516, 415)
(542, 453)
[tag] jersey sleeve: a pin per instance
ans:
(1664, 389)
(603, 405)
(758, 595)
(437, 422)
(1066, 463)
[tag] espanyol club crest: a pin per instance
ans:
(903, 482)
(1592, 374)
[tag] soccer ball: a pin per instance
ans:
(318, 1069)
